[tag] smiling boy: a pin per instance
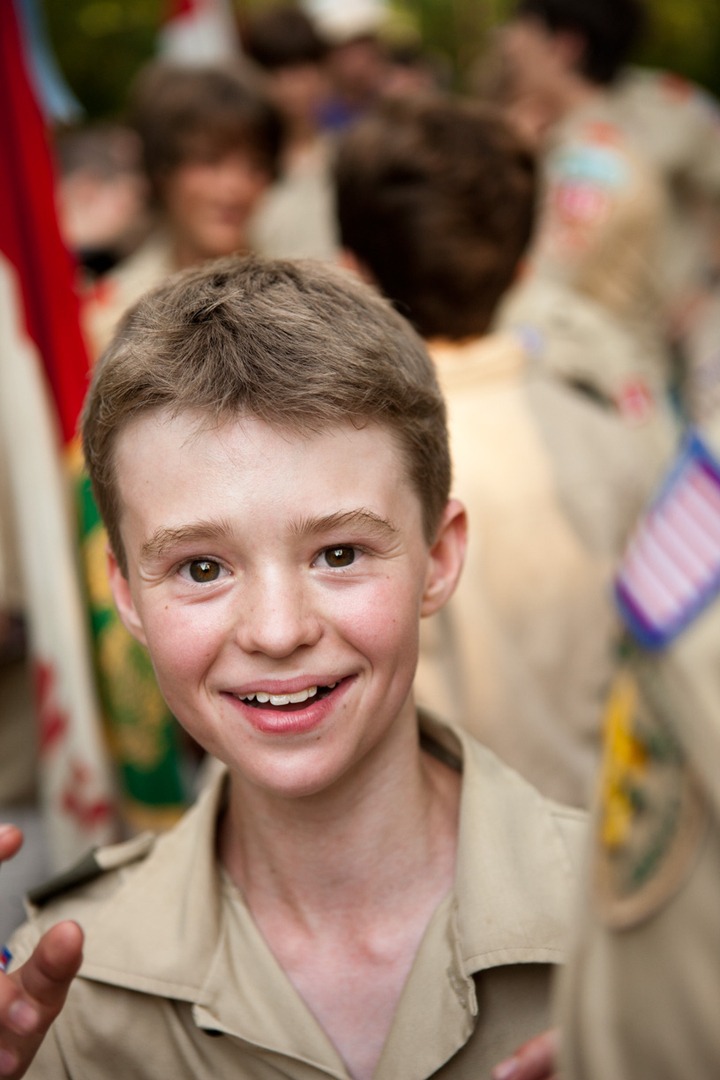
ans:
(356, 895)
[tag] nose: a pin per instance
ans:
(241, 180)
(276, 616)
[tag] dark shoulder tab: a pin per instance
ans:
(87, 869)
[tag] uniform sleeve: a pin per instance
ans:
(702, 119)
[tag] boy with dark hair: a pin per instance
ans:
(602, 208)
(609, 31)
(358, 894)
(210, 141)
(297, 216)
(435, 204)
(436, 200)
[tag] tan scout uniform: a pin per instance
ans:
(702, 389)
(523, 653)
(580, 342)
(177, 981)
(112, 295)
(676, 127)
(641, 997)
(296, 218)
(601, 221)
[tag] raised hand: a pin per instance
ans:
(33, 995)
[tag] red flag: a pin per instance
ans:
(43, 378)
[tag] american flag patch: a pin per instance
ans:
(671, 569)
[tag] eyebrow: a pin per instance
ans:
(203, 532)
(361, 518)
(165, 539)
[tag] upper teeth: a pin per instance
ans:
(283, 699)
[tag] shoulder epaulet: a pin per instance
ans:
(671, 570)
(87, 869)
(92, 865)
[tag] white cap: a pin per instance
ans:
(342, 20)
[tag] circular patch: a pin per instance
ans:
(651, 816)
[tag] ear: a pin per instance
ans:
(122, 596)
(446, 558)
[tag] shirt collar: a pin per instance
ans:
(513, 888)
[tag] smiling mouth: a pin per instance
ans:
(287, 702)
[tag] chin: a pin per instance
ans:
(300, 777)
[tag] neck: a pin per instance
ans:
(348, 850)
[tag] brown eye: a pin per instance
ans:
(339, 556)
(204, 570)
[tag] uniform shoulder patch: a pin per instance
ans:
(651, 817)
(671, 570)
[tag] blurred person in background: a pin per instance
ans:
(297, 216)
(640, 994)
(676, 126)
(356, 57)
(435, 202)
(411, 70)
(603, 208)
(210, 142)
(101, 194)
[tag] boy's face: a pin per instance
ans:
(209, 201)
(278, 582)
(537, 59)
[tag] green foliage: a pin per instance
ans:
(685, 37)
(100, 44)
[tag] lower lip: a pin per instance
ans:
(299, 722)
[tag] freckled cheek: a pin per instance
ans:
(387, 626)
(181, 644)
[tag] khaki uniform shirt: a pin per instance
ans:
(601, 222)
(676, 127)
(296, 218)
(178, 982)
(703, 359)
(579, 341)
(524, 652)
(641, 996)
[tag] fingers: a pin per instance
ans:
(47, 975)
(535, 1060)
(11, 840)
(32, 996)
